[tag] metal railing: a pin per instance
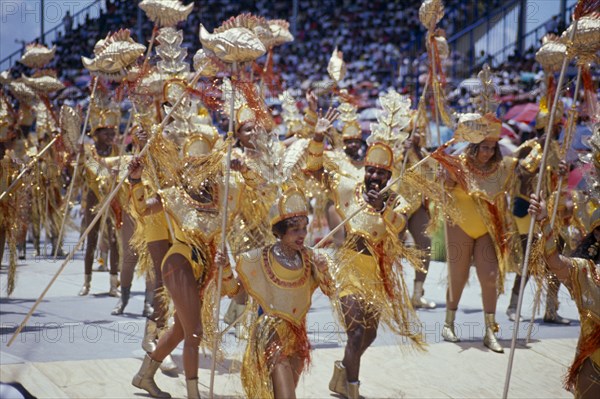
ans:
(530, 39)
(93, 10)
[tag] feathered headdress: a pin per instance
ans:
(389, 129)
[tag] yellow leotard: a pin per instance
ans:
(180, 247)
(361, 271)
(471, 223)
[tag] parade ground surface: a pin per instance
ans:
(73, 347)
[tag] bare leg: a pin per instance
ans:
(179, 279)
(417, 224)
(158, 250)
(460, 250)
(486, 264)
(114, 248)
(92, 238)
(129, 256)
(283, 378)
(297, 366)
(361, 328)
(129, 260)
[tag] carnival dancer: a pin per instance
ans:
(280, 278)
(530, 156)
(370, 284)
(418, 214)
(581, 275)
(478, 181)
(105, 117)
(193, 203)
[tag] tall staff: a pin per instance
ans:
(76, 167)
(583, 8)
(234, 43)
(430, 13)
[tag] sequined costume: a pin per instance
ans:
(481, 197)
(583, 376)
(374, 277)
(284, 297)
(281, 298)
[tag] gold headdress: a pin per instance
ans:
(290, 204)
(351, 129)
(336, 67)
(37, 55)
(43, 82)
(290, 114)
(475, 128)
(191, 128)
(380, 155)
(550, 56)
(166, 12)
(243, 113)
(104, 113)
(115, 56)
(388, 130)
(236, 40)
(483, 125)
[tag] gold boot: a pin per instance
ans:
(448, 330)
(192, 389)
(353, 390)
(418, 301)
(144, 379)
(339, 381)
(87, 282)
(491, 328)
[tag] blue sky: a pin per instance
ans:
(20, 19)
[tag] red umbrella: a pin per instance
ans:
(525, 113)
(508, 131)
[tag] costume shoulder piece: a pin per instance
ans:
(285, 297)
